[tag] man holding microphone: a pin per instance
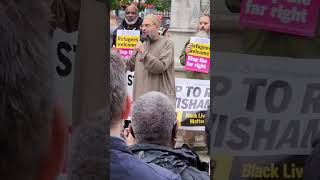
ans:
(153, 61)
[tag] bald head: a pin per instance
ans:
(132, 7)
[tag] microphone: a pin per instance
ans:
(142, 39)
(134, 52)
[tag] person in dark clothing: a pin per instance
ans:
(154, 128)
(311, 168)
(123, 164)
(131, 21)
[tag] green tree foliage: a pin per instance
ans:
(161, 5)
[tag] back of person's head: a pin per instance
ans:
(28, 118)
(154, 119)
(118, 87)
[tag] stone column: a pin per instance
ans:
(184, 20)
(184, 14)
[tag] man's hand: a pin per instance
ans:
(140, 47)
(128, 137)
(167, 34)
(188, 48)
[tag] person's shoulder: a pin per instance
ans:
(195, 173)
(167, 41)
(138, 168)
(165, 173)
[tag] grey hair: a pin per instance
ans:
(153, 119)
(89, 156)
(118, 86)
(203, 15)
(26, 84)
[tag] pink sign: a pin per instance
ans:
(125, 53)
(297, 17)
(198, 59)
(197, 64)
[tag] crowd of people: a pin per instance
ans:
(150, 138)
(152, 132)
(34, 130)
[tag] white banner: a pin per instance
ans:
(192, 101)
(266, 111)
(265, 105)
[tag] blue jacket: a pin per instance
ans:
(125, 166)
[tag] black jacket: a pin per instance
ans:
(124, 25)
(181, 161)
(125, 166)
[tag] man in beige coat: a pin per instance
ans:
(153, 61)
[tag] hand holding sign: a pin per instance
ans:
(198, 55)
(188, 48)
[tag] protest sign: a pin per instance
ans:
(126, 41)
(297, 17)
(72, 77)
(130, 78)
(265, 115)
(192, 101)
(63, 55)
(198, 59)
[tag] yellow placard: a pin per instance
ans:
(200, 49)
(127, 42)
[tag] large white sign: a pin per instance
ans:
(266, 111)
(192, 102)
(63, 52)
